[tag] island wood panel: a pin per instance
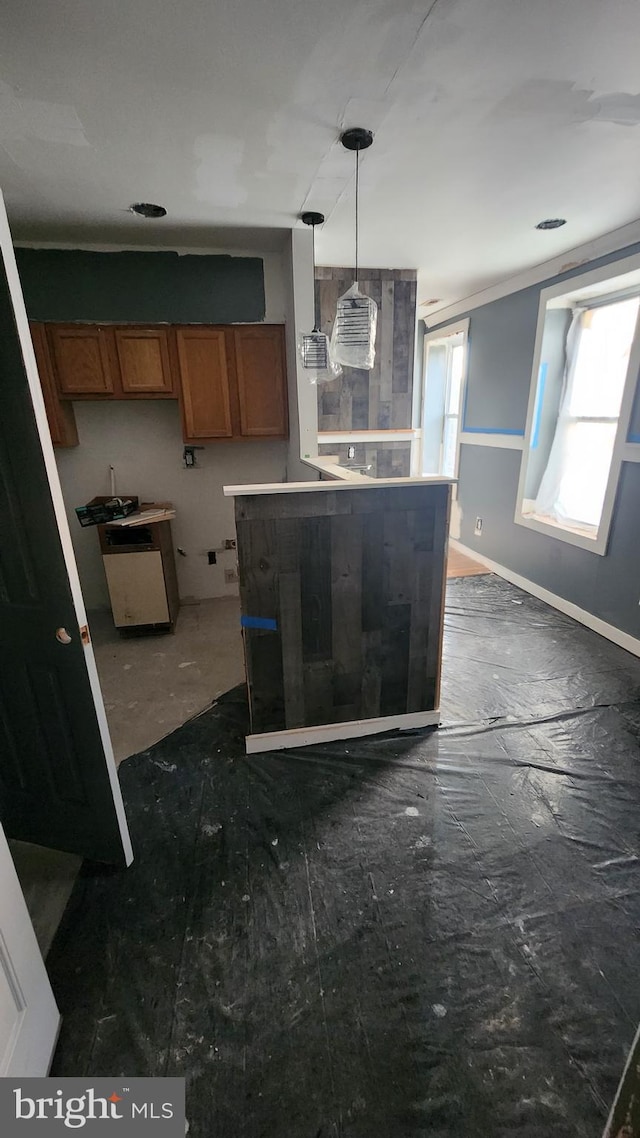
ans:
(354, 583)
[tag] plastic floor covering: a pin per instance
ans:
(419, 934)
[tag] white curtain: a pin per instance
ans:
(575, 480)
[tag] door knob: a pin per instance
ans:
(62, 636)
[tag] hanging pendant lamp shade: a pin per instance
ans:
(314, 346)
(353, 340)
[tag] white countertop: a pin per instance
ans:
(359, 482)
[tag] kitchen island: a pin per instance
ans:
(342, 597)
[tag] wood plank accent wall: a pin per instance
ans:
(354, 580)
(380, 398)
(383, 460)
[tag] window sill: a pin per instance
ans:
(583, 538)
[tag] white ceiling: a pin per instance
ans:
(489, 115)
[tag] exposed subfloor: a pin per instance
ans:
(432, 933)
(151, 684)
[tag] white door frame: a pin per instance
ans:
(22, 323)
(29, 1017)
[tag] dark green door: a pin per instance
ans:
(57, 787)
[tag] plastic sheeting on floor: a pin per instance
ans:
(420, 934)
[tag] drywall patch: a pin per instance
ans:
(561, 99)
(219, 159)
(22, 119)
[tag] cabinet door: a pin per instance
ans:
(204, 379)
(145, 365)
(261, 372)
(81, 359)
(136, 588)
(62, 422)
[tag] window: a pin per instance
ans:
(579, 408)
(444, 372)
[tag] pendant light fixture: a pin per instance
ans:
(314, 346)
(353, 340)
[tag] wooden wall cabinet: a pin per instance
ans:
(144, 361)
(62, 422)
(204, 379)
(262, 380)
(93, 361)
(233, 381)
(81, 359)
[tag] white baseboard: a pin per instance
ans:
(330, 732)
(609, 631)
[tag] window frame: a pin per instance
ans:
(598, 544)
(443, 335)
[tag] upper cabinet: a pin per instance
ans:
(261, 375)
(144, 361)
(233, 382)
(102, 361)
(62, 422)
(231, 379)
(81, 359)
(204, 378)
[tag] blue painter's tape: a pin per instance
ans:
(537, 414)
(259, 622)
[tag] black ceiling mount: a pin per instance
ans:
(312, 218)
(148, 209)
(551, 223)
(356, 138)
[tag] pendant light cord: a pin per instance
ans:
(313, 256)
(357, 195)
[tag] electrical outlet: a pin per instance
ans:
(229, 543)
(230, 576)
(478, 530)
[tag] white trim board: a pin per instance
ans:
(330, 732)
(609, 243)
(328, 487)
(609, 631)
(631, 452)
(502, 442)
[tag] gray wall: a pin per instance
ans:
(501, 343)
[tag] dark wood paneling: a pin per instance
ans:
(354, 580)
(381, 398)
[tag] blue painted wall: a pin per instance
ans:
(501, 344)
